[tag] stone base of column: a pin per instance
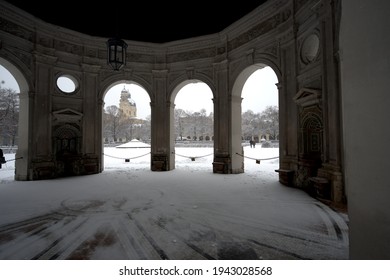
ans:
(221, 164)
(159, 163)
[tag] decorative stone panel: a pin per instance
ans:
(159, 163)
(221, 164)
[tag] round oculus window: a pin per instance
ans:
(67, 84)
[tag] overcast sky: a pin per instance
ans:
(259, 91)
(8, 79)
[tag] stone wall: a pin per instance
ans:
(297, 39)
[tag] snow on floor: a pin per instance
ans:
(130, 212)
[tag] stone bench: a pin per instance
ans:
(286, 176)
(321, 187)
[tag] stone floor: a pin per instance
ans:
(268, 221)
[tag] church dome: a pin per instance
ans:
(126, 96)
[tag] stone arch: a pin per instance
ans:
(237, 164)
(20, 71)
(107, 84)
(113, 80)
(263, 61)
(175, 87)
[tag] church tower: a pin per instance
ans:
(127, 105)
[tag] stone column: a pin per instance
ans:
(160, 113)
(92, 121)
(288, 115)
(331, 167)
(42, 163)
(222, 120)
(236, 148)
(23, 154)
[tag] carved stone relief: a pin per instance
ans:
(310, 48)
(260, 29)
(16, 30)
(191, 55)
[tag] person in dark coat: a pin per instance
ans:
(2, 158)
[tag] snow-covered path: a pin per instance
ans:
(130, 212)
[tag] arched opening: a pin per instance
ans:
(310, 145)
(193, 125)
(126, 126)
(255, 117)
(66, 146)
(16, 84)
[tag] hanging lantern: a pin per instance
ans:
(116, 55)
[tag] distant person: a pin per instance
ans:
(2, 158)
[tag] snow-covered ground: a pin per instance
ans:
(131, 212)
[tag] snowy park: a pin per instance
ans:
(189, 213)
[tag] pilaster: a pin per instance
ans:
(222, 120)
(160, 112)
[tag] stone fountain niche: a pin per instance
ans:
(310, 136)
(67, 140)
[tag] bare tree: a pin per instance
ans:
(9, 116)
(194, 125)
(257, 125)
(250, 125)
(111, 122)
(180, 115)
(270, 119)
(145, 129)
